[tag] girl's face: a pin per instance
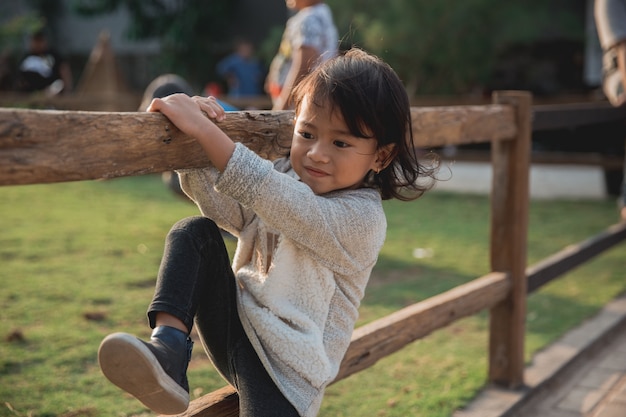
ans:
(326, 156)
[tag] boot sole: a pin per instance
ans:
(130, 365)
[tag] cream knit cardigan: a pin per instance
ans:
(302, 263)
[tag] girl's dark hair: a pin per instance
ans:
(374, 104)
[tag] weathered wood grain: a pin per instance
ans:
(573, 255)
(508, 242)
(44, 146)
(221, 403)
(376, 340)
(458, 125)
(53, 146)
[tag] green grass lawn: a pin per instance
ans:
(79, 260)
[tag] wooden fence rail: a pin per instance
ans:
(43, 146)
(51, 146)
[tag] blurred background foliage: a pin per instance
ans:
(453, 46)
(437, 47)
(192, 32)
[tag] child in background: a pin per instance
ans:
(242, 71)
(42, 68)
(310, 38)
(277, 322)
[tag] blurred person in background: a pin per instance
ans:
(310, 38)
(42, 68)
(610, 17)
(242, 71)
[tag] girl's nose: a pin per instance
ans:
(318, 152)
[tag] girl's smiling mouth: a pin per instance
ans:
(314, 172)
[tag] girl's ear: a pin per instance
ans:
(384, 156)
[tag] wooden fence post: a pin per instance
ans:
(509, 222)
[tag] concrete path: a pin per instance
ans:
(581, 375)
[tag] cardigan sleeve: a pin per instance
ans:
(343, 230)
(225, 211)
(228, 211)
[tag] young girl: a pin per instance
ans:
(277, 323)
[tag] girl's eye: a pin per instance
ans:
(340, 144)
(306, 135)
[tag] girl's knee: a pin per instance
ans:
(194, 222)
(199, 226)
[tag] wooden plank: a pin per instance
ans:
(43, 146)
(221, 403)
(570, 115)
(377, 340)
(462, 125)
(573, 255)
(52, 146)
(509, 223)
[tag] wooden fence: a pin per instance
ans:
(50, 146)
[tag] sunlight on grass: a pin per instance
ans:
(79, 260)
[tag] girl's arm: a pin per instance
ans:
(191, 115)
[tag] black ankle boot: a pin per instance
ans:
(172, 348)
(154, 372)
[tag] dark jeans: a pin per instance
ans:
(196, 282)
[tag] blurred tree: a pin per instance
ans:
(451, 46)
(437, 47)
(14, 31)
(193, 33)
